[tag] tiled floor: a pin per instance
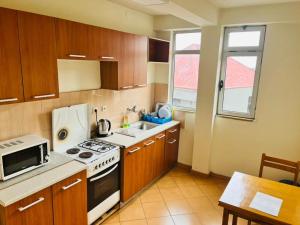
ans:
(178, 198)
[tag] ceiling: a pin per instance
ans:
(238, 3)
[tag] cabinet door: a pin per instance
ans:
(159, 155)
(140, 61)
(126, 62)
(11, 87)
(150, 164)
(110, 44)
(33, 210)
(38, 56)
(70, 200)
(172, 144)
(72, 39)
(133, 171)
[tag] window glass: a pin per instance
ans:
(244, 39)
(188, 41)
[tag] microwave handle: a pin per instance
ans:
(103, 175)
(42, 153)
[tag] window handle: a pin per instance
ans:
(221, 85)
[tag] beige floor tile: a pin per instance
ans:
(200, 204)
(132, 212)
(155, 209)
(160, 221)
(151, 195)
(179, 206)
(166, 182)
(185, 181)
(191, 191)
(211, 190)
(189, 219)
(135, 222)
(209, 217)
(113, 219)
(178, 172)
(171, 193)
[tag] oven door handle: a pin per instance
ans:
(103, 175)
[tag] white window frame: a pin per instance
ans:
(241, 51)
(174, 53)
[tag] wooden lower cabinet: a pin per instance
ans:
(33, 210)
(63, 203)
(146, 161)
(70, 200)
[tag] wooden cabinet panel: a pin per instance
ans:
(33, 210)
(149, 174)
(11, 86)
(133, 171)
(171, 148)
(110, 44)
(158, 50)
(38, 56)
(126, 62)
(72, 39)
(140, 61)
(159, 155)
(70, 200)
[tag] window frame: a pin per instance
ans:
(172, 74)
(241, 51)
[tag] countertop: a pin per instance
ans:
(127, 141)
(39, 182)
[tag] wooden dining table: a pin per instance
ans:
(241, 190)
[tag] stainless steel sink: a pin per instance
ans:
(137, 128)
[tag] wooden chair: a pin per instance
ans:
(276, 163)
(281, 164)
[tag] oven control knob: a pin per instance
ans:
(109, 160)
(113, 158)
(103, 163)
(96, 167)
(106, 161)
(99, 165)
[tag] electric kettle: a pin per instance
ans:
(103, 127)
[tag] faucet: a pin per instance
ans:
(132, 109)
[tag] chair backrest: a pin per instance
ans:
(281, 164)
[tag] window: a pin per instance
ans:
(240, 71)
(185, 70)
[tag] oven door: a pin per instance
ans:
(103, 185)
(19, 162)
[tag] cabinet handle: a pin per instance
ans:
(126, 87)
(21, 209)
(149, 143)
(43, 96)
(71, 185)
(107, 57)
(9, 100)
(134, 150)
(77, 56)
(161, 136)
(140, 85)
(172, 131)
(172, 142)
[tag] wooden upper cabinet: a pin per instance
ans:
(72, 40)
(38, 56)
(33, 210)
(11, 87)
(140, 61)
(70, 200)
(126, 62)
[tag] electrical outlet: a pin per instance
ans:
(95, 109)
(103, 108)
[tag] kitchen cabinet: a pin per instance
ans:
(133, 169)
(38, 56)
(11, 85)
(72, 39)
(70, 200)
(158, 50)
(147, 160)
(159, 155)
(62, 203)
(33, 210)
(140, 61)
(171, 148)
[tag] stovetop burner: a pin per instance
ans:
(73, 151)
(97, 146)
(85, 155)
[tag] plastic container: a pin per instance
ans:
(156, 120)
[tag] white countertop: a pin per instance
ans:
(127, 141)
(37, 183)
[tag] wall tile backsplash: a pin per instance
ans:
(35, 117)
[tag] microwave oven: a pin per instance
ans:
(23, 154)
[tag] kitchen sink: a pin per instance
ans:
(137, 128)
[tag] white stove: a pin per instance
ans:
(95, 153)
